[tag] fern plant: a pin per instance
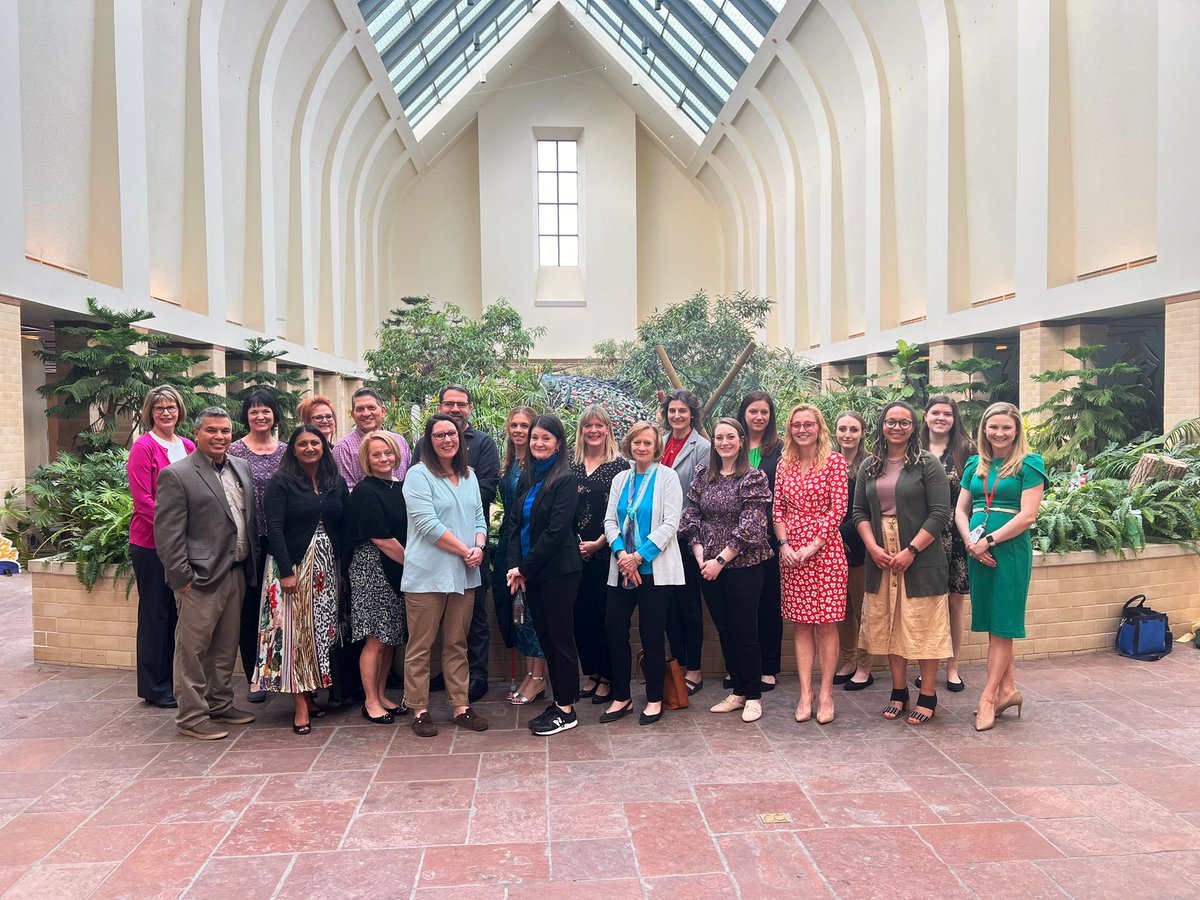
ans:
(981, 387)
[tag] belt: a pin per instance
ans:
(999, 509)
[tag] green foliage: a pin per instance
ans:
(106, 380)
(703, 337)
(422, 348)
(75, 509)
(982, 387)
(909, 378)
(281, 385)
(1093, 410)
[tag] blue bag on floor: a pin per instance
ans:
(1143, 633)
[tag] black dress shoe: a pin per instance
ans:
(727, 682)
(606, 717)
(765, 686)
(477, 691)
(385, 719)
(437, 683)
(859, 685)
(398, 711)
(842, 679)
(167, 702)
(253, 696)
(649, 718)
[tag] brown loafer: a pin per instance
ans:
(471, 719)
(424, 726)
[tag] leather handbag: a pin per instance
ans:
(675, 695)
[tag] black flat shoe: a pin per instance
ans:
(649, 718)
(590, 691)
(842, 679)
(693, 686)
(765, 686)
(385, 719)
(167, 702)
(853, 685)
(956, 687)
(606, 717)
(727, 682)
(397, 711)
(253, 696)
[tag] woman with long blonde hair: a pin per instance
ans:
(810, 502)
(998, 505)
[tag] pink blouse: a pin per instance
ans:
(147, 457)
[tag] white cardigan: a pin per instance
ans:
(666, 506)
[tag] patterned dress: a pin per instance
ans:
(811, 504)
(956, 550)
(377, 510)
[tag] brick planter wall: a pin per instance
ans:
(1074, 602)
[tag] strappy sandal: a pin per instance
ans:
(520, 699)
(898, 704)
(693, 686)
(603, 698)
(594, 682)
(306, 728)
(926, 701)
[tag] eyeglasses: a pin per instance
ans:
(899, 424)
(444, 435)
(328, 417)
(454, 404)
(805, 426)
(166, 408)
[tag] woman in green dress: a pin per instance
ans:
(1002, 490)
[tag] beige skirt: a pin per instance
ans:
(894, 623)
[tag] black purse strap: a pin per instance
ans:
(1140, 599)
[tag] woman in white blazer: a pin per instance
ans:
(644, 506)
(685, 617)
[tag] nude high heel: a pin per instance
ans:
(1014, 699)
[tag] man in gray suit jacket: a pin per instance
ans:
(204, 528)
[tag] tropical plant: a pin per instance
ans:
(422, 348)
(106, 380)
(981, 387)
(281, 384)
(1090, 411)
(75, 509)
(909, 378)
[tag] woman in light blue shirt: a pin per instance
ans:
(446, 536)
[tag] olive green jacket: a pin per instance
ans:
(922, 504)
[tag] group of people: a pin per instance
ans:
(319, 560)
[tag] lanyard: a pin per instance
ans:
(989, 496)
(635, 503)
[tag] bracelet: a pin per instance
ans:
(911, 549)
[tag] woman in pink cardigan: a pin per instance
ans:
(160, 446)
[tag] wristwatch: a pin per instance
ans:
(784, 542)
(911, 549)
(721, 560)
(991, 539)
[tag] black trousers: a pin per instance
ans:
(157, 615)
(552, 604)
(685, 617)
(651, 602)
(251, 607)
(733, 604)
(770, 618)
(590, 604)
(479, 636)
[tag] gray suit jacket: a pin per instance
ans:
(194, 529)
(695, 450)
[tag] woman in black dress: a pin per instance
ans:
(854, 668)
(376, 529)
(597, 462)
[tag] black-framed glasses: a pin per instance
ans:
(444, 435)
(900, 424)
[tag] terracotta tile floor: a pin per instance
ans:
(1093, 793)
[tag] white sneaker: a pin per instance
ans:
(752, 711)
(729, 704)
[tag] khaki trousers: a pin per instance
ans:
(426, 614)
(206, 647)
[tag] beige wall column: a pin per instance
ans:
(832, 371)
(1042, 346)
(1181, 363)
(215, 364)
(880, 364)
(947, 352)
(12, 426)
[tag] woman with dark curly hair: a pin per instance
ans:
(901, 507)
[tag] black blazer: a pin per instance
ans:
(553, 547)
(293, 511)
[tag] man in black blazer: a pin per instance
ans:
(204, 529)
(484, 457)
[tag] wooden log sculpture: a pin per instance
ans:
(711, 404)
(1152, 467)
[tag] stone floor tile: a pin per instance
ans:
(1176, 788)
(1135, 815)
(483, 864)
(987, 842)
(1039, 802)
(405, 743)
(418, 796)
(689, 887)
(288, 828)
(852, 779)
(1009, 881)
(1012, 767)
(650, 744)
(378, 831)
(165, 863)
(959, 799)
(1087, 836)
(1135, 754)
(356, 747)
(1186, 862)
(659, 830)
(733, 768)
(61, 882)
(597, 859)
(83, 791)
(608, 889)
(32, 754)
(339, 874)
(428, 768)
(264, 762)
(187, 759)
(77, 719)
(592, 820)
(27, 784)
(585, 744)
(28, 837)
(879, 862)
(1116, 877)
(874, 809)
(771, 864)
(174, 800)
(88, 759)
(512, 772)
(519, 816)
(99, 843)
(736, 807)
(617, 781)
(332, 786)
(249, 876)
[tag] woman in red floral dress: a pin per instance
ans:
(810, 502)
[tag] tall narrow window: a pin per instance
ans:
(558, 203)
